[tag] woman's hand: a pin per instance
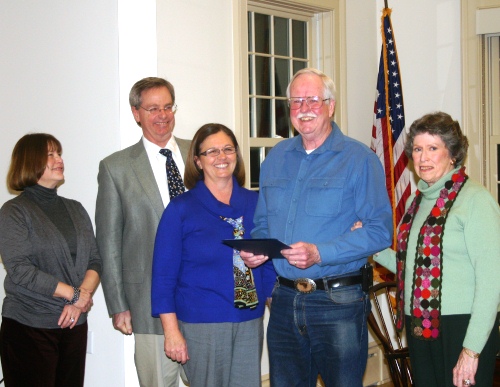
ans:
(251, 260)
(85, 301)
(175, 347)
(465, 369)
(69, 316)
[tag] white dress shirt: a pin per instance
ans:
(158, 161)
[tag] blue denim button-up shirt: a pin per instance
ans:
(317, 197)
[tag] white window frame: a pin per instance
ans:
(477, 115)
(328, 55)
(492, 111)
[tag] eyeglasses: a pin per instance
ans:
(214, 152)
(313, 102)
(156, 110)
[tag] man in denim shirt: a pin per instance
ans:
(313, 188)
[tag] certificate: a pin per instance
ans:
(270, 247)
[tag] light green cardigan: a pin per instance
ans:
(471, 257)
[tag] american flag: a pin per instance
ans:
(388, 133)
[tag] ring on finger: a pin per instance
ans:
(466, 382)
(295, 263)
(72, 319)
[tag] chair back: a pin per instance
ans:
(382, 321)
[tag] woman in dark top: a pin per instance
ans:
(49, 251)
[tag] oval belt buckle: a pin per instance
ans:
(305, 285)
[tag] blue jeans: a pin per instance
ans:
(322, 332)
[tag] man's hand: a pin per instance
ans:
(123, 322)
(302, 255)
(252, 260)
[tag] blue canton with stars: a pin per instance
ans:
(396, 108)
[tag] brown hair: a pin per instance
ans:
(135, 95)
(442, 125)
(192, 173)
(29, 159)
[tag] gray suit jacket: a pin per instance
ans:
(128, 210)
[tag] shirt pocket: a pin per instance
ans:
(274, 191)
(324, 196)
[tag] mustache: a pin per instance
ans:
(306, 115)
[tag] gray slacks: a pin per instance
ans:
(224, 354)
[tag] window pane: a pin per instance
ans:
(281, 77)
(281, 36)
(255, 162)
(298, 65)
(498, 162)
(262, 33)
(299, 37)
(263, 117)
(282, 124)
(262, 75)
(254, 167)
(251, 121)
(250, 75)
(250, 36)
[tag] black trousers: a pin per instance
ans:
(39, 357)
(433, 361)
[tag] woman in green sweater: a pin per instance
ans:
(447, 262)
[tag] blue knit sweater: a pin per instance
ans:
(192, 269)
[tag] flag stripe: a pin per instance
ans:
(388, 132)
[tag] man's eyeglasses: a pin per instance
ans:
(156, 110)
(314, 102)
(214, 152)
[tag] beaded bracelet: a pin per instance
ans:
(76, 297)
(471, 353)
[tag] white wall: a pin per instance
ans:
(59, 74)
(66, 68)
(427, 35)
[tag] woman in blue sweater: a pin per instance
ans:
(210, 304)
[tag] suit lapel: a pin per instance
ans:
(142, 168)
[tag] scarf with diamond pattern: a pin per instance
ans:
(427, 272)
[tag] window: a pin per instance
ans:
(481, 90)
(492, 111)
(277, 48)
(273, 40)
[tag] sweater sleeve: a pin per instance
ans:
(481, 233)
(16, 252)
(166, 261)
(94, 257)
(387, 258)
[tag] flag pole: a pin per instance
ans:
(386, 5)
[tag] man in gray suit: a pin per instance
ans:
(133, 192)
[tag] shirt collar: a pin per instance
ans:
(153, 148)
(332, 143)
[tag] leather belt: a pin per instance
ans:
(307, 285)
